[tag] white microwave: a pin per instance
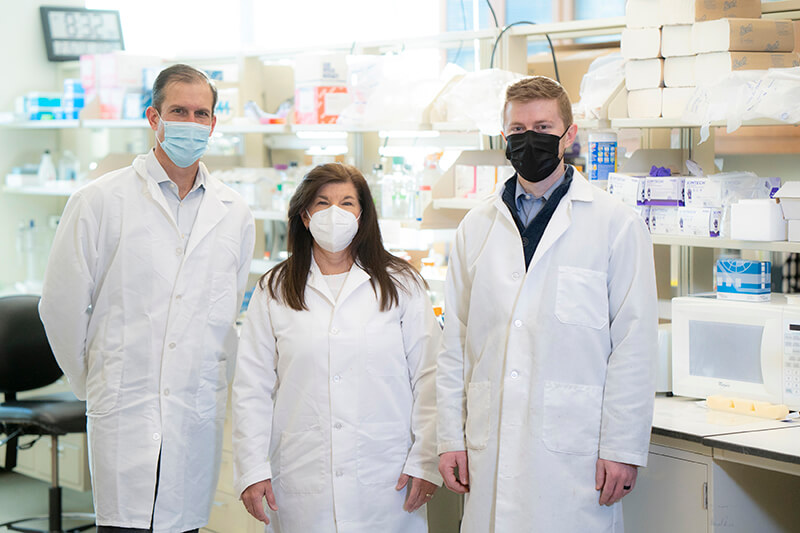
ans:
(740, 349)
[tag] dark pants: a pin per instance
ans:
(112, 529)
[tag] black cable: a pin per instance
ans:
(508, 27)
(494, 15)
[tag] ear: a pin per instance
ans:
(213, 125)
(152, 117)
(305, 219)
(572, 132)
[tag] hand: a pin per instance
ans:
(420, 492)
(448, 462)
(615, 479)
(253, 500)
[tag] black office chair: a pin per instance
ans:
(27, 363)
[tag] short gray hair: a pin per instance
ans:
(184, 74)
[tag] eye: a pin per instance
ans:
(320, 201)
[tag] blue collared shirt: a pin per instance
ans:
(185, 211)
(528, 205)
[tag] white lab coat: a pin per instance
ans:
(334, 403)
(543, 369)
(144, 331)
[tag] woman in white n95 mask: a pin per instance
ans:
(334, 395)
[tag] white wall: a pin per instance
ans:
(25, 68)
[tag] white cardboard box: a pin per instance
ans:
(664, 190)
(789, 197)
(664, 220)
(699, 221)
(793, 233)
(757, 220)
(628, 188)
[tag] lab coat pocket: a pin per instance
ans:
(477, 427)
(103, 381)
(571, 418)
(222, 298)
(302, 470)
(212, 394)
(382, 452)
(582, 297)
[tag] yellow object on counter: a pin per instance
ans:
(747, 407)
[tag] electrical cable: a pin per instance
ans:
(508, 27)
(494, 15)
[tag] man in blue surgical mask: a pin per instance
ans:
(545, 383)
(144, 283)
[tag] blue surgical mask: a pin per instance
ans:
(184, 142)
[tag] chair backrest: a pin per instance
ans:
(26, 360)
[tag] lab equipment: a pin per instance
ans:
(47, 170)
(743, 349)
(740, 279)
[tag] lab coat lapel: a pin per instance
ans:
(212, 210)
(355, 278)
(580, 190)
(151, 189)
(317, 282)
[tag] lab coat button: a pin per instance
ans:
(179, 251)
(334, 331)
(339, 473)
(156, 436)
(337, 425)
(178, 297)
(515, 276)
(514, 374)
(166, 392)
(172, 345)
(336, 378)
(518, 323)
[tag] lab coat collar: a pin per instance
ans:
(355, 278)
(212, 207)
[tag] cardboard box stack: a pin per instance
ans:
(320, 88)
(698, 42)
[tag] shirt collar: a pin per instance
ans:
(157, 172)
(522, 192)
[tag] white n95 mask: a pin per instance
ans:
(333, 228)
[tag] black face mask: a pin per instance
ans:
(534, 155)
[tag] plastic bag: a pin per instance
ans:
(746, 95)
(476, 100)
(600, 81)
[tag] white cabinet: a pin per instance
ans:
(689, 487)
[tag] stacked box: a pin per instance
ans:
(739, 279)
(320, 88)
(110, 78)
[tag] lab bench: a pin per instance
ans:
(710, 471)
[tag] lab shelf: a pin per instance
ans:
(455, 203)
(259, 266)
(100, 123)
(621, 123)
(252, 128)
(268, 214)
(41, 124)
(63, 188)
(716, 242)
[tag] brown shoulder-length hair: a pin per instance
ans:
(287, 281)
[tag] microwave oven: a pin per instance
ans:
(740, 349)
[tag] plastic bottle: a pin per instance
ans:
(26, 250)
(602, 155)
(68, 167)
(427, 179)
(47, 170)
(375, 182)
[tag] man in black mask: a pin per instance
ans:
(545, 382)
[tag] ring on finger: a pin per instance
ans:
(626, 487)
